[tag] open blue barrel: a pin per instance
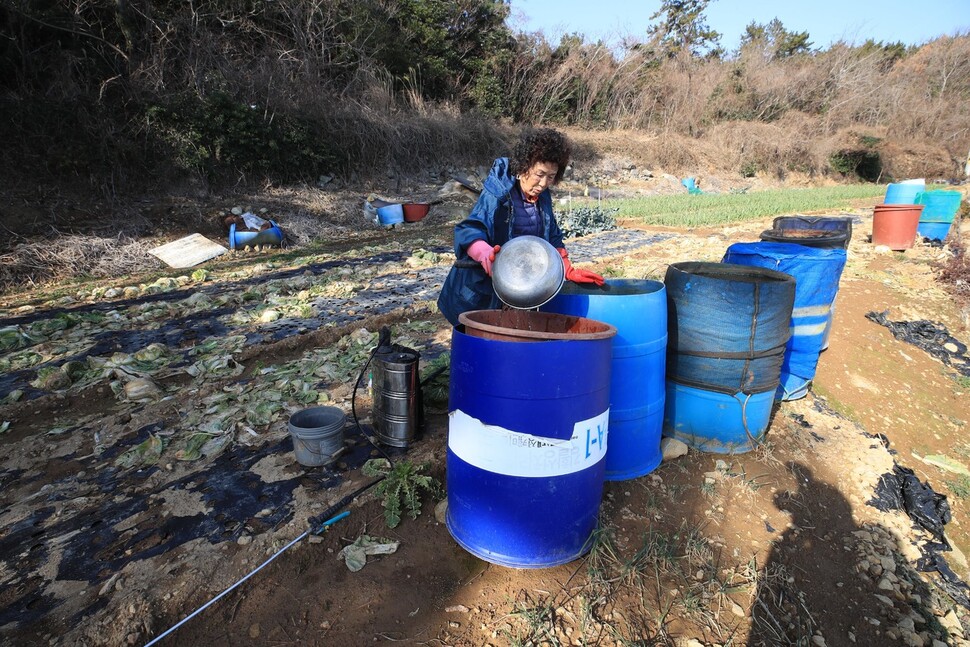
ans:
(727, 328)
(637, 308)
(903, 192)
(527, 441)
(819, 223)
(817, 273)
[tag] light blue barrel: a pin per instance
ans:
(816, 272)
(718, 423)
(903, 193)
(271, 236)
(527, 440)
(391, 214)
(637, 308)
(939, 206)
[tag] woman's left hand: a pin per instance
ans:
(577, 275)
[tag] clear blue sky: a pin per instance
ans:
(826, 21)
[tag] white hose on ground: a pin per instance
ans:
(253, 572)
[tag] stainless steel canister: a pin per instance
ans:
(397, 398)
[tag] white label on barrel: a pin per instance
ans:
(512, 453)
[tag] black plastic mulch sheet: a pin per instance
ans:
(901, 489)
(930, 336)
(950, 582)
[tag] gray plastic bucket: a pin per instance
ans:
(318, 434)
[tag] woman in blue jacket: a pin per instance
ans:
(516, 201)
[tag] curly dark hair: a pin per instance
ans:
(540, 145)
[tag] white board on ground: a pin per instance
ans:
(188, 251)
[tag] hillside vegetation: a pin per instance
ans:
(121, 94)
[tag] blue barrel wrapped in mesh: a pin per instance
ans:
(727, 327)
(817, 273)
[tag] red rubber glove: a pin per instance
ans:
(484, 253)
(577, 275)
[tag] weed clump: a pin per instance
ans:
(401, 488)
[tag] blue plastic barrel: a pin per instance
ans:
(717, 422)
(727, 326)
(272, 236)
(637, 308)
(392, 214)
(903, 193)
(691, 185)
(933, 230)
(939, 206)
(824, 223)
(527, 441)
(816, 273)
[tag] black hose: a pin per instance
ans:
(383, 342)
(317, 521)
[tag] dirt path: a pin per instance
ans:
(109, 535)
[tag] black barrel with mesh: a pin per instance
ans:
(828, 228)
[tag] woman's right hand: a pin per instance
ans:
(484, 254)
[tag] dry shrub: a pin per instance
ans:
(910, 157)
(44, 261)
(318, 69)
(748, 147)
(956, 272)
(932, 87)
(813, 113)
(669, 152)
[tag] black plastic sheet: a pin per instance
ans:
(930, 336)
(901, 489)
(950, 582)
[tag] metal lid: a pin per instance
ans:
(527, 272)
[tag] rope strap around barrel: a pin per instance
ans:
(749, 354)
(744, 419)
(754, 330)
(715, 388)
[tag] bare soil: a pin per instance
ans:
(779, 546)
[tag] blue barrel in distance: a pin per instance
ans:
(637, 308)
(903, 193)
(817, 273)
(939, 206)
(933, 230)
(392, 214)
(527, 441)
(271, 236)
